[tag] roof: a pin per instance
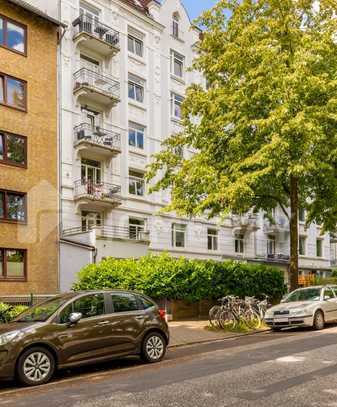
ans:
(141, 5)
(32, 9)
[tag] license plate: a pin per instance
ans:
(281, 320)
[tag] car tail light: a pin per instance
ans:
(162, 314)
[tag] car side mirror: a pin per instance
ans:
(74, 318)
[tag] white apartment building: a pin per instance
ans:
(122, 77)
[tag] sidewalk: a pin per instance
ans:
(190, 332)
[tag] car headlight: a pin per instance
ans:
(269, 314)
(7, 337)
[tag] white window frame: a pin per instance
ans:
(322, 247)
(176, 100)
(139, 131)
(271, 245)
(178, 228)
(212, 239)
(239, 243)
(138, 183)
(180, 59)
(136, 83)
(139, 229)
(304, 239)
(133, 40)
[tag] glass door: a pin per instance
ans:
(91, 220)
(91, 175)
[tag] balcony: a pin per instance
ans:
(90, 195)
(95, 36)
(112, 233)
(93, 87)
(244, 224)
(96, 142)
(280, 225)
(278, 258)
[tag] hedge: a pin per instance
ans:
(191, 280)
(9, 312)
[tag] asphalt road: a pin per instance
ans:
(292, 369)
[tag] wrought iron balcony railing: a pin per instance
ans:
(97, 135)
(89, 25)
(96, 81)
(96, 191)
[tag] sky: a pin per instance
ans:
(196, 7)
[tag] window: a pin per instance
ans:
(13, 35)
(212, 239)
(302, 245)
(136, 88)
(136, 228)
(176, 108)
(145, 302)
(90, 305)
(328, 294)
(91, 220)
(239, 243)
(178, 235)
(301, 215)
(177, 64)
(319, 247)
(175, 25)
(271, 245)
(12, 206)
(12, 92)
(12, 264)
(136, 135)
(136, 183)
(124, 302)
(13, 149)
(135, 46)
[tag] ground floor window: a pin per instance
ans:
(212, 239)
(239, 243)
(136, 228)
(178, 235)
(12, 264)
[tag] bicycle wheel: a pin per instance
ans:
(213, 315)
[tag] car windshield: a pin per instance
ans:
(43, 311)
(308, 294)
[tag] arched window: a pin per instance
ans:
(175, 25)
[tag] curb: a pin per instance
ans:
(235, 336)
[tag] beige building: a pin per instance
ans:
(28, 150)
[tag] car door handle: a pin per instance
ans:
(104, 323)
(139, 317)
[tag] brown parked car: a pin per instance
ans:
(81, 328)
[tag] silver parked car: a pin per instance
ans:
(312, 306)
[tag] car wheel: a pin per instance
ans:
(35, 366)
(153, 348)
(318, 320)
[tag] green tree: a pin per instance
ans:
(263, 131)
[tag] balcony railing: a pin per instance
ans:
(98, 135)
(278, 257)
(92, 26)
(97, 82)
(96, 191)
(112, 232)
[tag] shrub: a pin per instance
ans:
(9, 312)
(183, 279)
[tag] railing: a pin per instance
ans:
(97, 81)
(97, 135)
(112, 232)
(244, 221)
(279, 223)
(94, 27)
(96, 191)
(278, 257)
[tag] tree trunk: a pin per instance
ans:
(294, 207)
